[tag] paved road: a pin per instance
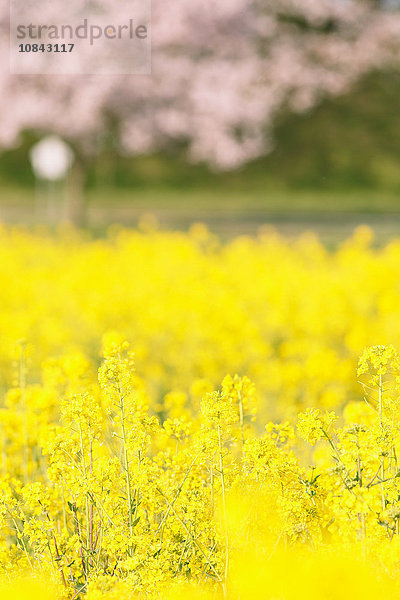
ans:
(330, 226)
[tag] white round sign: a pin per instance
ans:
(51, 158)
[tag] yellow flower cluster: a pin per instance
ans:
(290, 315)
(107, 499)
(313, 425)
(141, 470)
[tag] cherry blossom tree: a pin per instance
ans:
(221, 72)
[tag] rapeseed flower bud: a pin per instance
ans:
(313, 425)
(219, 409)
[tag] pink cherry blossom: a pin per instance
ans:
(221, 72)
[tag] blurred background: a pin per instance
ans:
(256, 112)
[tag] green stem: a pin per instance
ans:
(380, 398)
(126, 463)
(241, 416)
(221, 468)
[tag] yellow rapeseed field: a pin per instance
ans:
(182, 418)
